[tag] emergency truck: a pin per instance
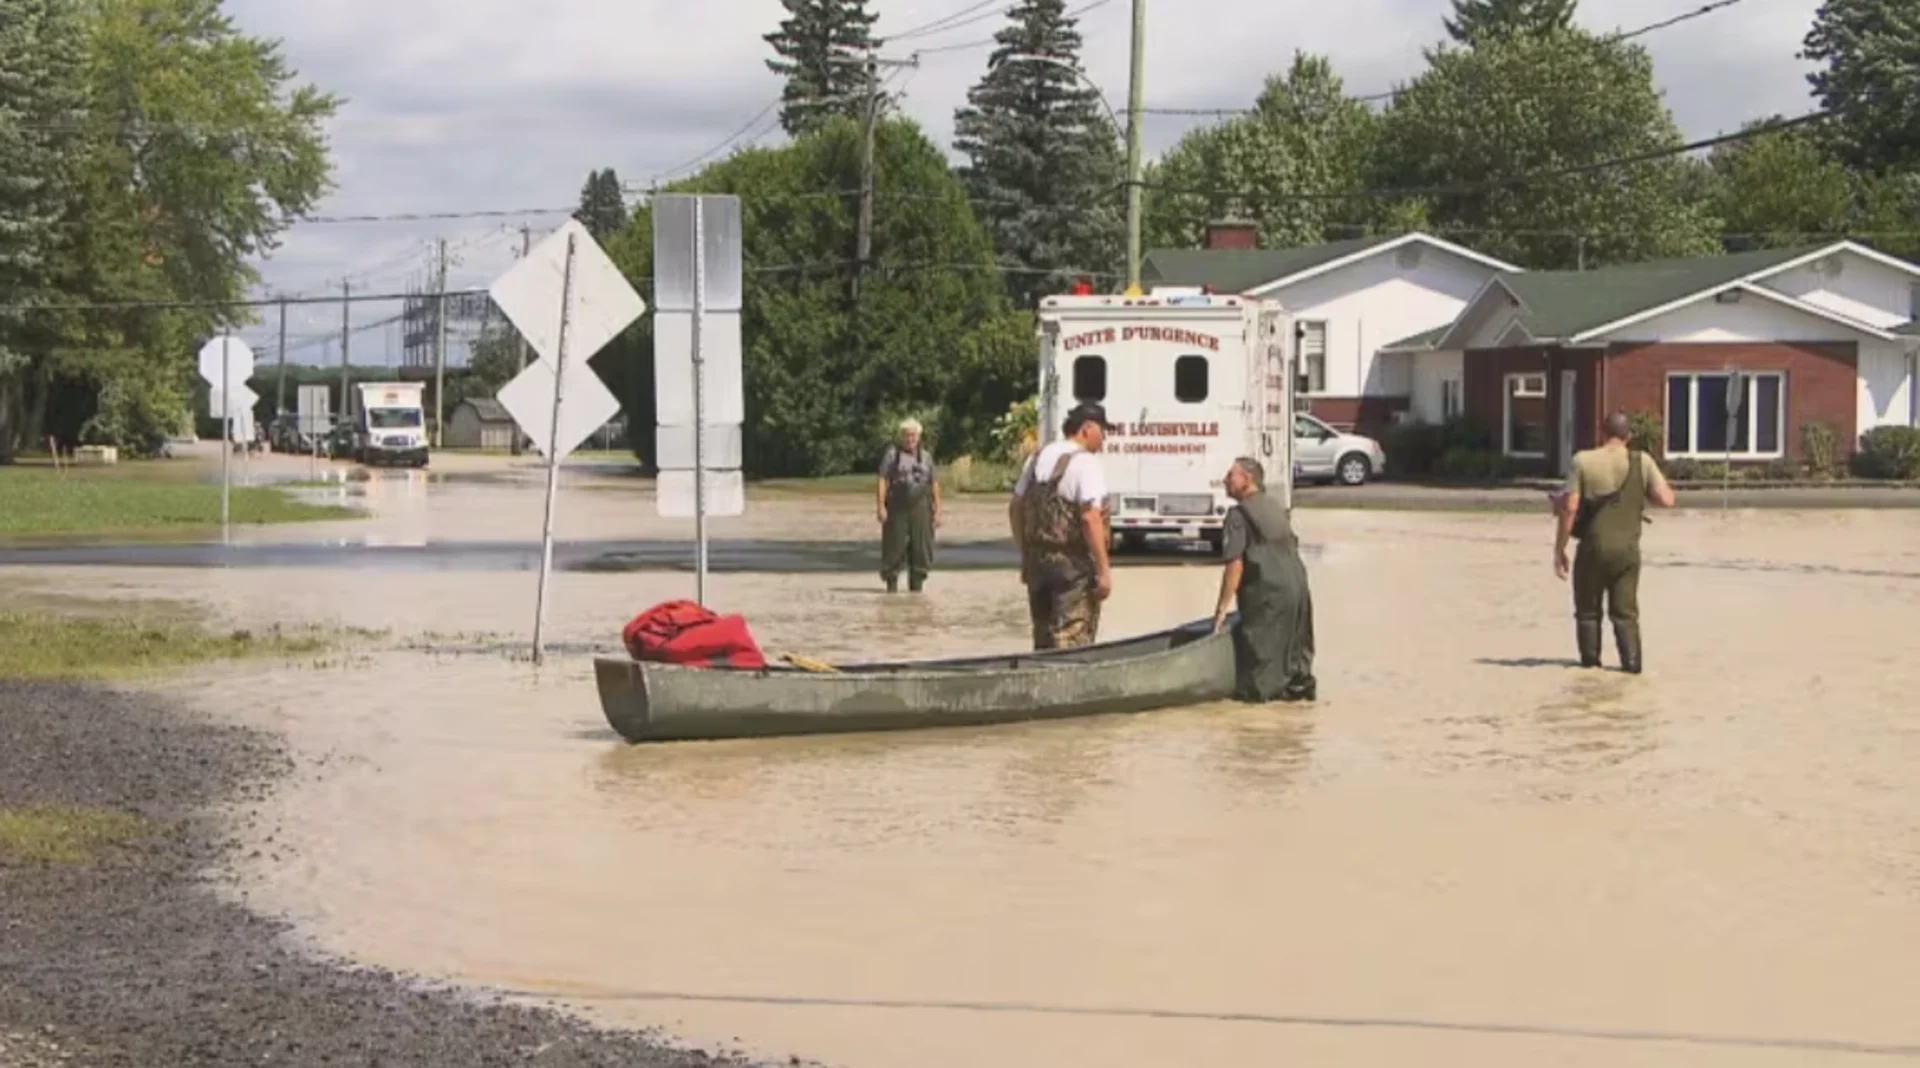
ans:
(1190, 380)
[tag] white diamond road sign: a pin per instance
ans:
(586, 408)
(602, 303)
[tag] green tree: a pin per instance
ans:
(494, 358)
(1044, 165)
(1871, 77)
(1781, 189)
(178, 182)
(1282, 166)
(41, 106)
(1480, 119)
(1475, 22)
(822, 47)
(603, 205)
(818, 376)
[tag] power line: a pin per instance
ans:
(968, 46)
(947, 22)
(1624, 35)
(1468, 188)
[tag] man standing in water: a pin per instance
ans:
(1058, 516)
(909, 508)
(1603, 505)
(1273, 644)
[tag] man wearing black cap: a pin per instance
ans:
(1059, 521)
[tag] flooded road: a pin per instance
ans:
(1465, 853)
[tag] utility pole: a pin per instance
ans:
(863, 244)
(520, 343)
(1580, 252)
(346, 342)
(1135, 108)
(280, 386)
(440, 354)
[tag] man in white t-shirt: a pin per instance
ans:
(1059, 522)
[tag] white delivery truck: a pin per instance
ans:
(391, 424)
(1190, 380)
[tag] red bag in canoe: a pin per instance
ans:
(682, 632)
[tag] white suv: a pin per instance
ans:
(1323, 454)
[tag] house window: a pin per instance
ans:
(1090, 379)
(1313, 356)
(1524, 415)
(1190, 379)
(1701, 421)
(1452, 402)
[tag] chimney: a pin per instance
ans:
(1238, 234)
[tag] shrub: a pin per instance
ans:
(1465, 462)
(1891, 452)
(1820, 449)
(1016, 432)
(1421, 448)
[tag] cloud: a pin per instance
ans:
(504, 104)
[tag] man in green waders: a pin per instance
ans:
(1603, 505)
(909, 509)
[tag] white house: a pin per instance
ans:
(1822, 334)
(1350, 301)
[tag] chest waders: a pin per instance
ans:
(1606, 570)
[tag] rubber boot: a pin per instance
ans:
(893, 583)
(1587, 631)
(1626, 636)
(916, 583)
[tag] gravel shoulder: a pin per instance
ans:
(130, 959)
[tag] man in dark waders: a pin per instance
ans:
(1603, 505)
(909, 509)
(1273, 643)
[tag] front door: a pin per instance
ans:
(1569, 419)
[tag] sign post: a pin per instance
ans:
(222, 360)
(697, 364)
(1736, 403)
(568, 300)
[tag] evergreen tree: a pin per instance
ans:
(1044, 165)
(1475, 22)
(823, 46)
(1871, 49)
(42, 102)
(603, 207)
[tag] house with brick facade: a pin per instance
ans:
(1737, 355)
(1347, 300)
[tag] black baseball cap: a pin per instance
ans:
(1086, 413)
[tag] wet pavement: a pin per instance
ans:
(1466, 852)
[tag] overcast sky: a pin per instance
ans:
(492, 105)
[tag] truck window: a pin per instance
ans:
(1190, 379)
(392, 418)
(1090, 379)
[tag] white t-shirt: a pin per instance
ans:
(1084, 481)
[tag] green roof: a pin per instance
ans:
(1425, 339)
(1564, 304)
(1235, 271)
(1912, 329)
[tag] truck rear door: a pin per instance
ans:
(1182, 395)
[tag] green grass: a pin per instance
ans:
(137, 498)
(64, 834)
(66, 646)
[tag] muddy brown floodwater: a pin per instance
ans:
(1466, 853)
